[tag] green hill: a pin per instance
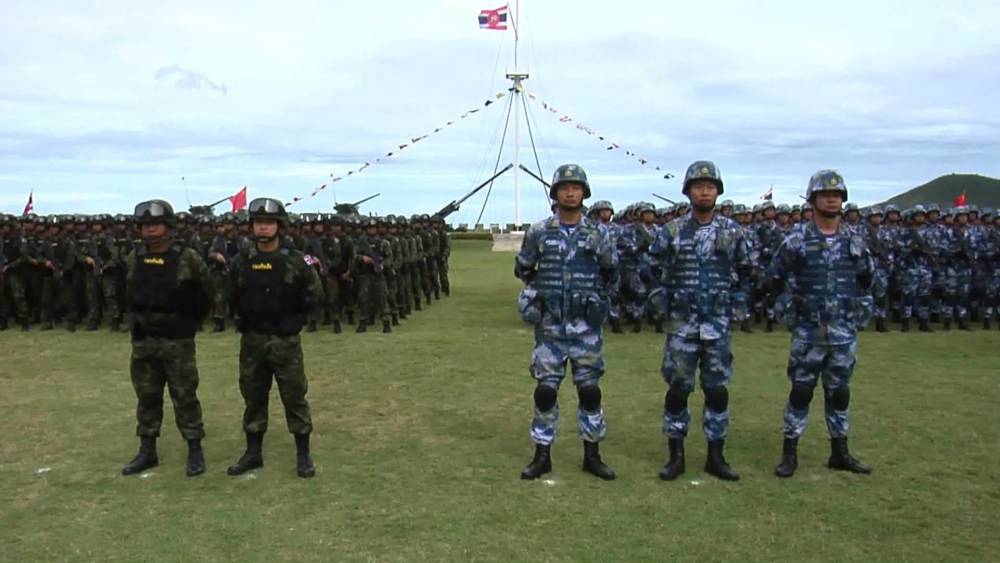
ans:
(979, 190)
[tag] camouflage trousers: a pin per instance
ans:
(331, 294)
(992, 300)
(880, 292)
(444, 282)
(584, 353)
(634, 293)
(416, 281)
(916, 285)
(220, 294)
(391, 293)
(432, 281)
(957, 291)
(157, 362)
(681, 358)
(372, 302)
(102, 294)
(404, 297)
(807, 363)
(265, 358)
(13, 298)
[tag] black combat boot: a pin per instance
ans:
(946, 326)
(963, 324)
(675, 465)
(145, 459)
(116, 325)
(789, 458)
(770, 325)
(350, 317)
(975, 314)
(386, 327)
(3, 323)
(924, 325)
(897, 316)
(540, 464)
(447, 291)
(636, 326)
(395, 319)
(47, 325)
(303, 461)
(715, 463)
(758, 317)
(326, 318)
(311, 327)
(196, 459)
(658, 326)
(437, 294)
(428, 296)
(252, 458)
(592, 462)
(416, 305)
(986, 323)
(904, 325)
(745, 326)
(337, 329)
(25, 325)
(841, 460)
(403, 313)
(616, 326)
(362, 326)
(220, 325)
(880, 325)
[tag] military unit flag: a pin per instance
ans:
(493, 19)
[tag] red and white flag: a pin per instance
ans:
(30, 206)
(239, 200)
(769, 195)
(493, 19)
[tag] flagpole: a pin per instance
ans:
(516, 77)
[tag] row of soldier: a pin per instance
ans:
(932, 265)
(70, 268)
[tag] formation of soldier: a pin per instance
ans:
(932, 265)
(693, 274)
(70, 269)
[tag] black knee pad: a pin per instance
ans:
(839, 398)
(545, 398)
(590, 397)
(676, 401)
(717, 399)
(800, 397)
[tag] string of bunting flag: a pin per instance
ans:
(612, 146)
(399, 148)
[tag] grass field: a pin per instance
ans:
(420, 437)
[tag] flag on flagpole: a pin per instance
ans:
(960, 200)
(493, 19)
(769, 195)
(239, 200)
(30, 206)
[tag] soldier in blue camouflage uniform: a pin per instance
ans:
(742, 217)
(827, 272)
(566, 261)
(991, 256)
(705, 261)
(633, 246)
(880, 246)
(918, 261)
(601, 212)
(958, 257)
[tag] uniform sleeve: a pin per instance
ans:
(197, 274)
(742, 255)
(527, 258)
(312, 286)
(785, 261)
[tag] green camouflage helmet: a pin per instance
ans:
(269, 208)
(644, 206)
(569, 173)
(783, 208)
(702, 170)
(826, 181)
(152, 211)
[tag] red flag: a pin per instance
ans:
(960, 200)
(239, 200)
(30, 206)
(493, 19)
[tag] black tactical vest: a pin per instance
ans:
(154, 288)
(268, 304)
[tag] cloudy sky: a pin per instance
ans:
(103, 104)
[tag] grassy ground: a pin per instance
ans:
(420, 436)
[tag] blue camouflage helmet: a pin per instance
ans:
(916, 209)
(851, 207)
(826, 181)
(874, 211)
(767, 205)
(783, 208)
(891, 208)
(727, 203)
(933, 207)
(702, 170)
(600, 205)
(960, 210)
(644, 206)
(569, 173)
(973, 208)
(986, 212)
(739, 209)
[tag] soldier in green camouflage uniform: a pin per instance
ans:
(13, 265)
(274, 292)
(444, 253)
(372, 255)
(432, 251)
(417, 260)
(167, 288)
